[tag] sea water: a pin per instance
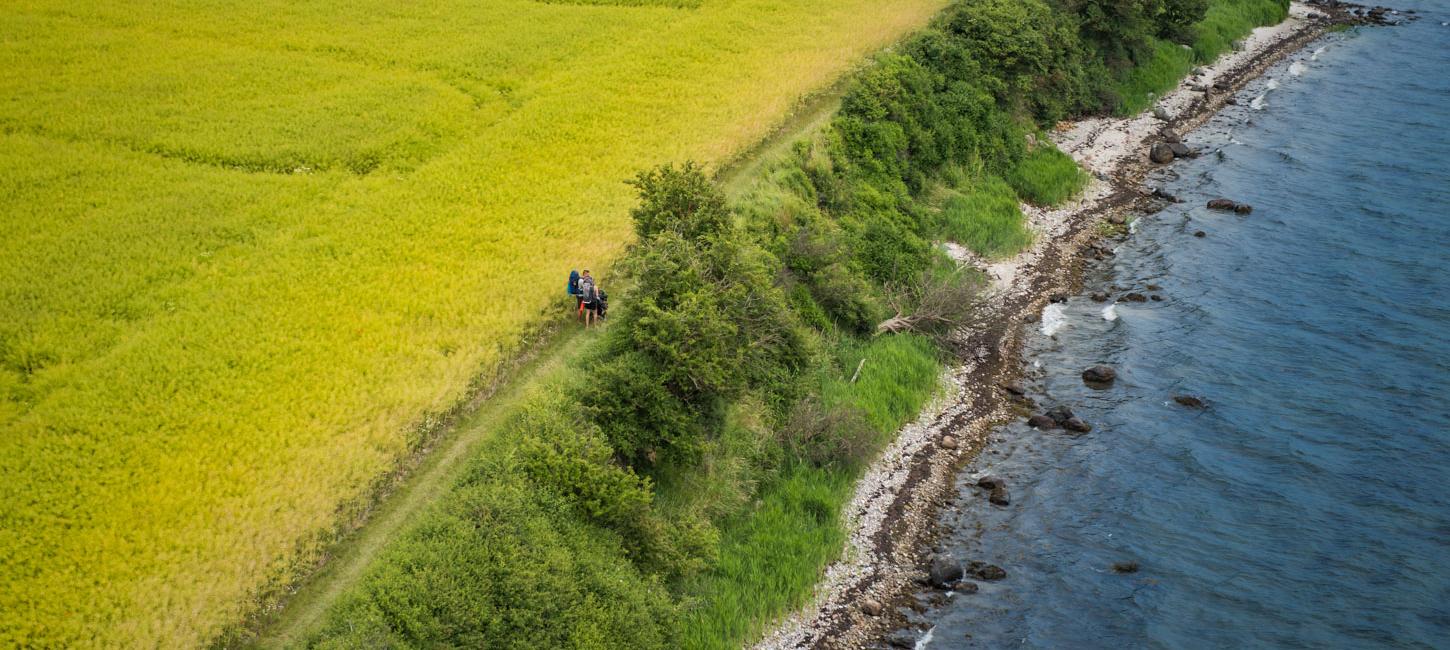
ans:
(1309, 504)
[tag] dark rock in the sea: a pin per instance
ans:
(1077, 425)
(1243, 208)
(1134, 297)
(948, 442)
(991, 482)
(1189, 401)
(901, 639)
(966, 587)
(984, 571)
(1232, 101)
(1153, 287)
(1166, 195)
(999, 496)
(1099, 374)
(1125, 567)
(944, 571)
(1156, 298)
(871, 607)
(1200, 234)
(1059, 414)
(1014, 389)
(1181, 150)
(1161, 153)
(1099, 296)
(1222, 204)
(1041, 422)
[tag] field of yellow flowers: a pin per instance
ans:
(248, 247)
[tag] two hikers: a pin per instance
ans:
(590, 301)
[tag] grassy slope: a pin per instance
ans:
(184, 341)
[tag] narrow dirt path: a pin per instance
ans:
(305, 609)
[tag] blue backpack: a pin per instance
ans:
(574, 283)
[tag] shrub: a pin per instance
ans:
(985, 217)
(1047, 177)
(826, 437)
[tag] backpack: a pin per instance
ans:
(586, 289)
(573, 283)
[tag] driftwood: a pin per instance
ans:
(936, 305)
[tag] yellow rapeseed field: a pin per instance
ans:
(248, 246)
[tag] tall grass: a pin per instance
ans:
(986, 217)
(1047, 177)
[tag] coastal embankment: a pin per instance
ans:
(893, 512)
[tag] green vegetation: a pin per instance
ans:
(1047, 177)
(986, 217)
(1160, 63)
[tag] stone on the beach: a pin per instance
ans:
(991, 482)
(871, 607)
(1161, 153)
(1059, 414)
(1014, 389)
(1162, 114)
(1077, 425)
(1041, 422)
(1170, 136)
(944, 571)
(1099, 374)
(1189, 401)
(1125, 567)
(999, 496)
(948, 442)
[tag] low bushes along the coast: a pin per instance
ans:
(684, 486)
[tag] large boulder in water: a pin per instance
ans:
(1230, 205)
(1059, 414)
(991, 482)
(1043, 422)
(984, 571)
(1099, 375)
(1161, 153)
(999, 496)
(944, 571)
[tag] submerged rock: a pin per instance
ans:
(967, 587)
(1099, 374)
(1059, 414)
(984, 571)
(1189, 401)
(1099, 296)
(999, 496)
(1125, 567)
(1200, 234)
(1077, 425)
(1134, 297)
(991, 482)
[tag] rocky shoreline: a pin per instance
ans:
(893, 513)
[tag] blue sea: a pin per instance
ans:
(1308, 506)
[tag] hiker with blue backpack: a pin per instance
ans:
(586, 296)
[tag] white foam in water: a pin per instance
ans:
(1297, 68)
(1110, 313)
(1273, 83)
(1315, 55)
(1258, 103)
(1133, 227)
(1053, 319)
(925, 639)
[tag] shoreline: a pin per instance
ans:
(892, 514)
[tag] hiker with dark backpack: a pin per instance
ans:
(587, 297)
